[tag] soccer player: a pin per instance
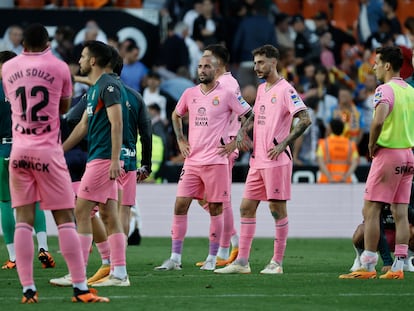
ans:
(205, 171)
(391, 173)
(228, 82)
(269, 177)
(102, 121)
(39, 87)
(8, 222)
(386, 241)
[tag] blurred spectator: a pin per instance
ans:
(158, 123)
(191, 15)
(63, 44)
(151, 94)
(177, 9)
(113, 40)
(12, 40)
(337, 156)
(90, 32)
(366, 65)
(133, 71)
(339, 37)
(254, 30)
(304, 150)
(173, 52)
(389, 8)
(306, 44)
(286, 65)
(307, 78)
(208, 27)
(327, 58)
(349, 114)
(381, 36)
(283, 31)
(327, 92)
(410, 80)
(370, 13)
(407, 38)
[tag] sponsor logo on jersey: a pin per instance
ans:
(295, 99)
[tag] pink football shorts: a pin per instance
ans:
(390, 176)
(40, 175)
(272, 183)
(128, 186)
(96, 186)
(209, 182)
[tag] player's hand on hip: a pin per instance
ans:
(115, 169)
(184, 147)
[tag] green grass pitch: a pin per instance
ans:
(310, 281)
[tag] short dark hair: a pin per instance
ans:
(35, 36)
(100, 51)
(268, 50)
(116, 62)
(392, 55)
(6, 55)
(219, 51)
(337, 126)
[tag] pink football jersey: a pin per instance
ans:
(209, 118)
(274, 110)
(34, 83)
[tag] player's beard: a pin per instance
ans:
(85, 71)
(206, 79)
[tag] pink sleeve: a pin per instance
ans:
(182, 107)
(384, 95)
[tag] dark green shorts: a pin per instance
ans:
(4, 179)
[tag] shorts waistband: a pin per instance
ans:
(6, 140)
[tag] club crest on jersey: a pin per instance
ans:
(110, 88)
(216, 101)
(273, 99)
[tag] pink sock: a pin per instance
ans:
(178, 231)
(401, 250)
(216, 228)
(228, 225)
(282, 228)
(117, 247)
(70, 247)
(247, 230)
(103, 249)
(85, 242)
(24, 247)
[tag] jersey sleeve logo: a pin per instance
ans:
(377, 96)
(295, 99)
(110, 88)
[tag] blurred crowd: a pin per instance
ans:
(328, 61)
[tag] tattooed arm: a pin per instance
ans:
(300, 127)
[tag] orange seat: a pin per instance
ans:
(345, 13)
(311, 7)
(31, 4)
(290, 7)
(128, 3)
(405, 9)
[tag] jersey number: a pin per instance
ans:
(21, 91)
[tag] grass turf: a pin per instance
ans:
(310, 281)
